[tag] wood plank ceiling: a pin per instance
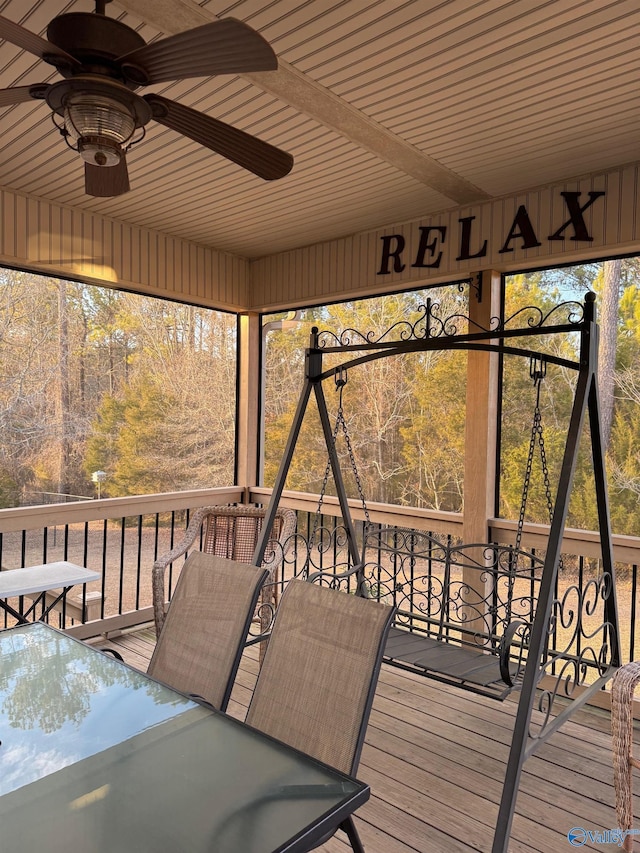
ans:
(392, 110)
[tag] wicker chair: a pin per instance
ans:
(319, 675)
(231, 532)
(199, 649)
(623, 686)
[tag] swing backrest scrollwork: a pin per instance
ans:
(468, 594)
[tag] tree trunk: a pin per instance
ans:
(608, 344)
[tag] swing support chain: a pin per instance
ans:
(537, 372)
(341, 426)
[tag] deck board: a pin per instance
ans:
(435, 758)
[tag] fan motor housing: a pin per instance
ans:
(94, 40)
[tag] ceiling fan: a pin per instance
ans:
(103, 61)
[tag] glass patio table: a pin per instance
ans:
(98, 757)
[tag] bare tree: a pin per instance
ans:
(609, 313)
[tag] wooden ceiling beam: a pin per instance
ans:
(319, 103)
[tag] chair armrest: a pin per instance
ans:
(113, 652)
(505, 651)
(161, 564)
(190, 536)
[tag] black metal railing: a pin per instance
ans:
(121, 539)
(108, 536)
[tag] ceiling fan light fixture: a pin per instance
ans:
(99, 127)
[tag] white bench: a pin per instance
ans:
(60, 576)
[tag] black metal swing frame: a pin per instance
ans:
(525, 657)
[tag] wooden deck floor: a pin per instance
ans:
(435, 759)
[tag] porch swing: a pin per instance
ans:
(463, 612)
(488, 617)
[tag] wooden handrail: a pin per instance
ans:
(48, 515)
(582, 543)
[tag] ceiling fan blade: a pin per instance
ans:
(248, 151)
(227, 46)
(22, 94)
(106, 181)
(21, 37)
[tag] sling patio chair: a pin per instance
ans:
(231, 532)
(199, 649)
(318, 677)
(624, 683)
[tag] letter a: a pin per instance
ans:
(523, 228)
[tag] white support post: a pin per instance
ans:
(248, 403)
(481, 423)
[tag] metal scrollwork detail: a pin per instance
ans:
(580, 646)
(533, 317)
(429, 324)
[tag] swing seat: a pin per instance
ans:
(464, 612)
(479, 672)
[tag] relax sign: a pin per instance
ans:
(471, 243)
(585, 218)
